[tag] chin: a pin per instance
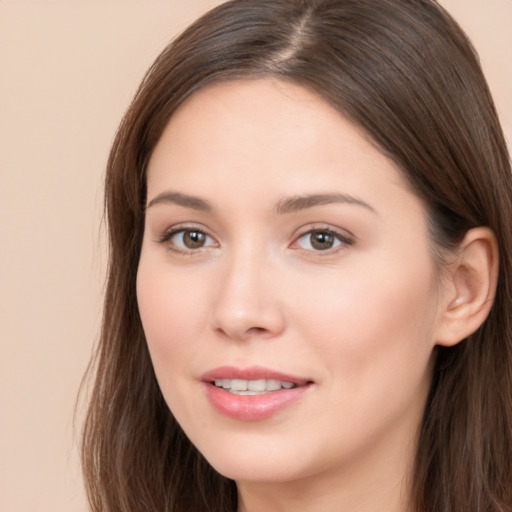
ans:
(258, 471)
(258, 458)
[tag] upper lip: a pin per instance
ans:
(251, 373)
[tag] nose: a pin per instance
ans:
(246, 304)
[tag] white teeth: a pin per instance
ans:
(252, 387)
(223, 383)
(239, 385)
(273, 384)
(256, 385)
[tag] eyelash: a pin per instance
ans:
(343, 240)
(169, 234)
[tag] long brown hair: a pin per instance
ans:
(404, 72)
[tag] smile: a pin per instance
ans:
(252, 387)
(252, 394)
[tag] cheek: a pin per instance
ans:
(173, 314)
(172, 311)
(372, 323)
(373, 335)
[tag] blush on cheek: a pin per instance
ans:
(170, 319)
(369, 316)
(165, 324)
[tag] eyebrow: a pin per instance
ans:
(296, 203)
(286, 205)
(188, 201)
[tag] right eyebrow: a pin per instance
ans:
(296, 203)
(186, 200)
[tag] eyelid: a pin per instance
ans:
(342, 235)
(166, 236)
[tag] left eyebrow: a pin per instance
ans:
(185, 200)
(296, 203)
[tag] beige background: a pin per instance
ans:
(68, 70)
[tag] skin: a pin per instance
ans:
(359, 320)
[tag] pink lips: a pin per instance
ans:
(252, 407)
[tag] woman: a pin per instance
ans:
(309, 293)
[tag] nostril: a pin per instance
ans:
(244, 318)
(243, 334)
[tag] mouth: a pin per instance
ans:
(253, 393)
(255, 380)
(253, 387)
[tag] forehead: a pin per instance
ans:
(262, 136)
(249, 115)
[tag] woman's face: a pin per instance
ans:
(286, 287)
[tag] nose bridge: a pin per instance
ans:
(246, 302)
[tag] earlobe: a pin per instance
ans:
(469, 292)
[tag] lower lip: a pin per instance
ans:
(252, 407)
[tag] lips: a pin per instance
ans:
(252, 394)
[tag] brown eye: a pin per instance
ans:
(190, 239)
(322, 240)
(194, 239)
(318, 240)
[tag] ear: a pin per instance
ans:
(469, 288)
